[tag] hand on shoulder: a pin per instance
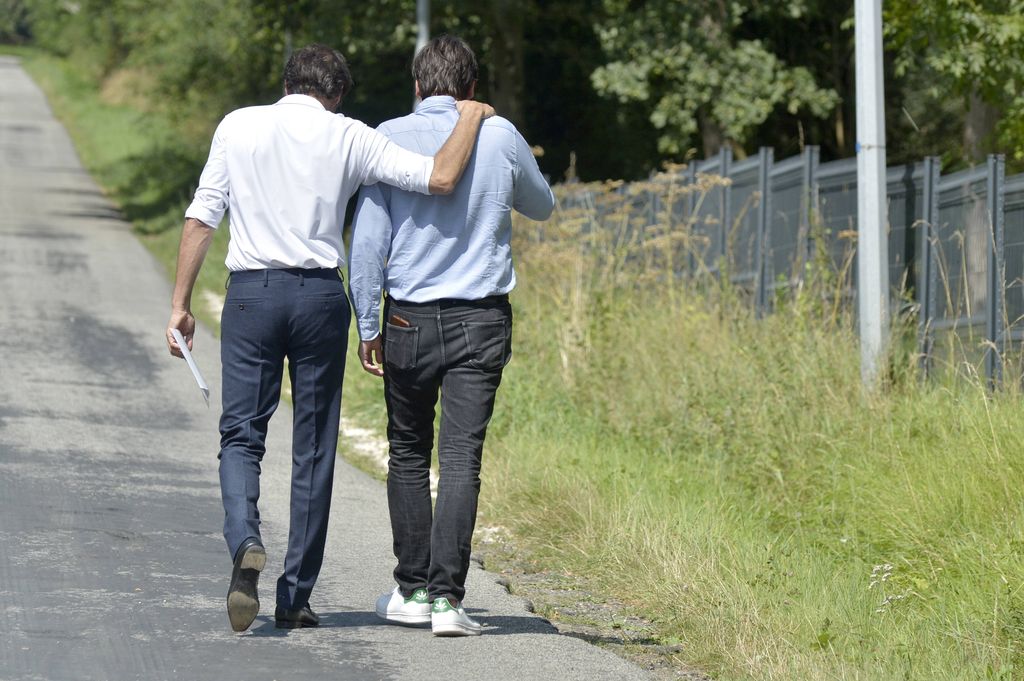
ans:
(467, 106)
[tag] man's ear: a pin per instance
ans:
(418, 90)
(472, 90)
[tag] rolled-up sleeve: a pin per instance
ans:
(385, 161)
(211, 198)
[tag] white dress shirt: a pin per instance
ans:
(285, 173)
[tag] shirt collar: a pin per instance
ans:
(436, 102)
(304, 100)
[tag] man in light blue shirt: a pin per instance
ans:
(445, 266)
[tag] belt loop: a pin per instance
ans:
(266, 278)
(302, 280)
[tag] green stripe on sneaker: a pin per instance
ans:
(418, 596)
(442, 605)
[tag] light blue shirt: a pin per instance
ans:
(421, 248)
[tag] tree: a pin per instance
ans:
(14, 23)
(973, 49)
(696, 75)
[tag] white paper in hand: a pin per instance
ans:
(180, 340)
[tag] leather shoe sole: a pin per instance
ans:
(243, 598)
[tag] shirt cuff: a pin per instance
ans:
(205, 215)
(368, 330)
(422, 184)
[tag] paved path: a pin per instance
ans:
(112, 565)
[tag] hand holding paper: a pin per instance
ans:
(180, 340)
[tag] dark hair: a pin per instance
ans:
(445, 66)
(318, 71)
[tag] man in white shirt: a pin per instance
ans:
(284, 173)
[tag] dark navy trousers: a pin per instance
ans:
(270, 315)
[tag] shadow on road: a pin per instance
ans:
(498, 625)
(329, 620)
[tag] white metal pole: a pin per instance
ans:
(422, 32)
(422, 24)
(872, 232)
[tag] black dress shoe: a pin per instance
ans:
(243, 600)
(296, 619)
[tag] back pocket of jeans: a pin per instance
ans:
(488, 343)
(401, 343)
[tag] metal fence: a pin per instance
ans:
(956, 242)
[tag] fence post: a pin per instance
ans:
(724, 167)
(926, 271)
(653, 203)
(808, 205)
(994, 303)
(691, 219)
(765, 158)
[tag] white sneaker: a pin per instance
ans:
(447, 620)
(394, 607)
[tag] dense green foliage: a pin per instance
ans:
(195, 60)
(975, 48)
(622, 84)
(702, 77)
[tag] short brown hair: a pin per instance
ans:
(445, 66)
(319, 71)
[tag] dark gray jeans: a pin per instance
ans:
(458, 348)
(270, 315)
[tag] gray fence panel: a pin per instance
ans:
(961, 240)
(1013, 256)
(788, 245)
(678, 215)
(905, 188)
(709, 215)
(837, 211)
(741, 236)
(956, 242)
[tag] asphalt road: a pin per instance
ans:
(112, 565)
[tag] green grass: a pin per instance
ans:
(730, 478)
(726, 477)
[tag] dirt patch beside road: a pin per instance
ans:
(564, 600)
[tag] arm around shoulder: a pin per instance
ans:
(451, 159)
